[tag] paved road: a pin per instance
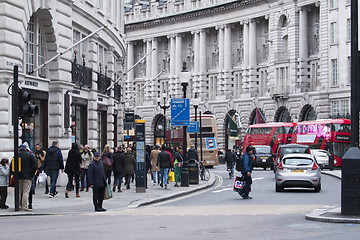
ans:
(215, 213)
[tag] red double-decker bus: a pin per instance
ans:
(271, 134)
(332, 135)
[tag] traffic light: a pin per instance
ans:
(26, 108)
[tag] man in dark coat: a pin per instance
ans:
(97, 181)
(73, 169)
(247, 170)
(192, 154)
(165, 163)
(28, 168)
(118, 168)
(130, 166)
(52, 164)
(230, 162)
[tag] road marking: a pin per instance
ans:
(222, 190)
(220, 182)
(259, 178)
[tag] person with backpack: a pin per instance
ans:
(247, 167)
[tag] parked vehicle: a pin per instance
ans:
(263, 157)
(289, 148)
(298, 170)
(323, 158)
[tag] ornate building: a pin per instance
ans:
(72, 93)
(290, 59)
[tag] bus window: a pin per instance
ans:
(266, 130)
(337, 127)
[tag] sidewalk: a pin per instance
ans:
(332, 213)
(128, 198)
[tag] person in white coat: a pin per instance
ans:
(4, 182)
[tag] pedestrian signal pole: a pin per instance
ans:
(15, 116)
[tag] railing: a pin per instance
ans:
(81, 76)
(103, 83)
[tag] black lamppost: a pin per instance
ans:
(195, 103)
(184, 77)
(163, 107)
(350, 166)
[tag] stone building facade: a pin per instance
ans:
(72, 92)
(289, 59)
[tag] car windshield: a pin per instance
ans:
(287, 150)
(319, 154)
(297, 161)
(264, 149)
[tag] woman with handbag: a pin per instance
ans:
(4, 182)
(107, 159)
(86, 159)
(73, 169)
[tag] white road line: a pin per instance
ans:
(222, 190)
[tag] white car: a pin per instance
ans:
(323, 158)
(298, 170)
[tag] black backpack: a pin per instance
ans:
(239, 164)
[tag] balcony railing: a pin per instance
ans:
(81, 76)
(103, 83)
(117, 92)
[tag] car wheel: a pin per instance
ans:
(272, 168)
(318, 188)
(265, 168)
(278, 188)
(331, 169)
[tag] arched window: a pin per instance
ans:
(35, 48)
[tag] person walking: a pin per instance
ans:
(28, 168)
(192, 154)
(118, 168)
(97, 181)
(108, 161)
(52, 164)
(165, 163)
(230, 162)
(4, 182)
(177, 166)
(247, 170)
(40, 154)
(72, 169)
(86, 159)
(130, 165)
(154, 168)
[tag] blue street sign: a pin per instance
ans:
(193, 127)
(180, 112)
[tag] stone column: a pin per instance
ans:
(196, 52)
(246, 43)
(172, 54)
(303, 34)
(227, 48)
(154, 68)
(148, 58)
(202, 50)
(252, 43)
(178, 55)
(221, 47)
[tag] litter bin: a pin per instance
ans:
(178, 170)
(193, 167)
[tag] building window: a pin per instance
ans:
(80, 48)
(35, 50)
(334, 72)
(340, 108)
(333, 3)
(333, 33)
(140, 93)
(349, 70)
(349, 29)
(102, 58)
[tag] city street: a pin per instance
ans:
(213, 213)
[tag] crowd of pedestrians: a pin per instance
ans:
(87, 168)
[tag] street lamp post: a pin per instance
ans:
(196, 103)
(163, 107)
(184, 79)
